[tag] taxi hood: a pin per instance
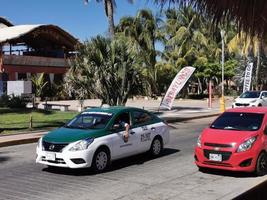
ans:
(68, 135)
(245, 100)
(219, 136)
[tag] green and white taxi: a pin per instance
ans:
(95, 137)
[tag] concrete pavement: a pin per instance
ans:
(173, 176)
(182, 110)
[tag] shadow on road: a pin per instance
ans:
(116, 165)
(257, 193)
(227, 173)
(4, 158)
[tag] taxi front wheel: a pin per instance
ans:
(156, 146)
(101, 160)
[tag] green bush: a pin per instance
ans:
(16, 102)
(12, 102)
(4, 99)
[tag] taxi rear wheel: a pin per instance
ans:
(156, 146)
(261, 165)
(101, 160)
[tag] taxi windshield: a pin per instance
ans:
(90, 120)
(238, 121)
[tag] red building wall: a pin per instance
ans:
(11, 70)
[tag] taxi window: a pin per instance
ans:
(89, 121)
(264, 95)
(122, 119)
(141, 117)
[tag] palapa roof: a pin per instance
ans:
(250, 15)
(38, 36)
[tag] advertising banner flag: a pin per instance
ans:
(177, 84)
(247, 78)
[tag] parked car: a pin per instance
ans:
(251, 99)
(236, 141)
(95, 137)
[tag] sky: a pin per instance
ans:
(80, 20)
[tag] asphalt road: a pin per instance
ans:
(172, 176)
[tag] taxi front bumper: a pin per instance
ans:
(66, 158)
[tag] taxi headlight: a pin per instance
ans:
(40, 144)
(199, 141)
(247, 144)
(82, 145)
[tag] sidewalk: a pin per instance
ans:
(183, 110)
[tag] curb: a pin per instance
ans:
(36, 138)
(18, 142)
(182, 119)
(25, 132)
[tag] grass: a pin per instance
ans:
(18, 120)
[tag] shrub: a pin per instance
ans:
(16, 102)
(4, 99)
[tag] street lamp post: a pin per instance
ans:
(222, 102)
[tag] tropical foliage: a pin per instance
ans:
(106, 69)
(143, 33)
(131, 63)
(39, 84)
(190, 41)
(250, 49)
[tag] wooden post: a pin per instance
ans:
(30, 125)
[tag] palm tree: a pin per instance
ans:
(142, 31)
(185, 40)
(105, 69)
(250, 48)
(190, 41)
(249, 15)
(110, 6)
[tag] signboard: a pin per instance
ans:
(19, 87)
(177, 84)
(247, 78)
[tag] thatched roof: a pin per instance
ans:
(38, 36)
(250, 15)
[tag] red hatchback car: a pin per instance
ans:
(236, 141)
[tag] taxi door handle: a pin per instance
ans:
(153, 129)
(132, 132)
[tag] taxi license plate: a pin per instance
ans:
(50, 156)
(215, 157)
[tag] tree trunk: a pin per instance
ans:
(109, 12)
(199, 86)
(123, 85)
